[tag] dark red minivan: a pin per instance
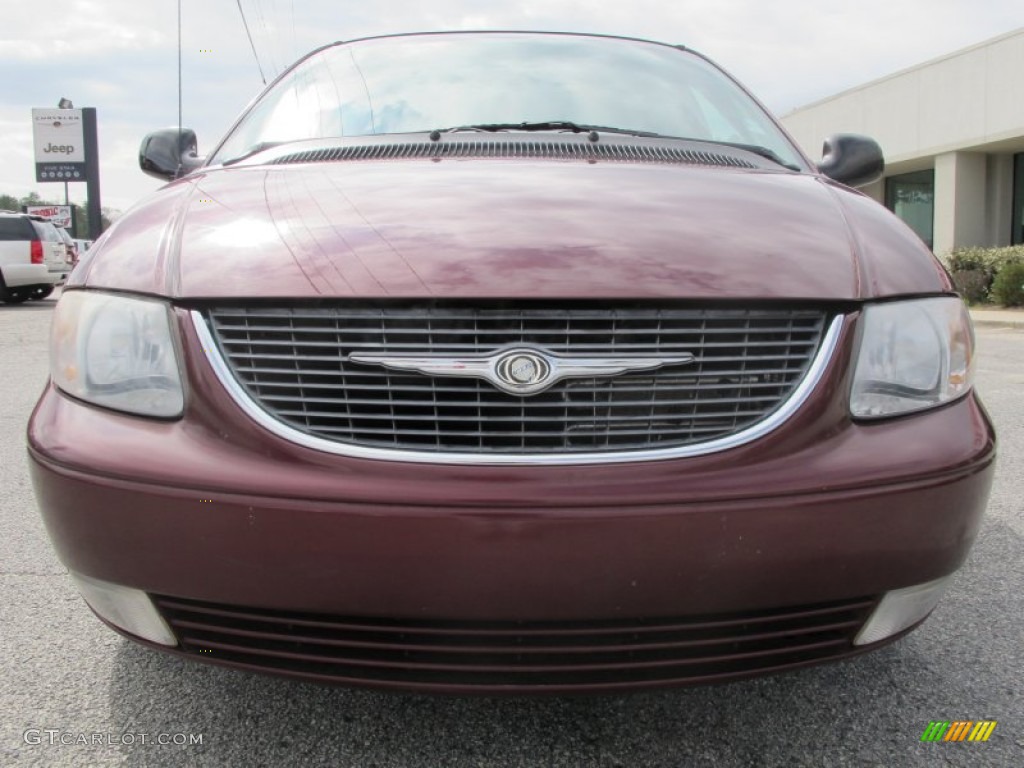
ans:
(510, 362)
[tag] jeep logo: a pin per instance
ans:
(65, 149)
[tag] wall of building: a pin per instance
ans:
(962, 115)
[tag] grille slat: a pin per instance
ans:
(460, 647)
(295, 363)
(405, 349)
(506, 653)
(572, 332)
(432, 403)
(577, 433)
(472, 346)
(409, 417)
(690, 384)
(518, 669)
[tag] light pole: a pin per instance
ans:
(65, 104)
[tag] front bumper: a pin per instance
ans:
(254, 549)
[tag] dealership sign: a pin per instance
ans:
(60, 215)
(59, 144)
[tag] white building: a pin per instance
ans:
(952, 131)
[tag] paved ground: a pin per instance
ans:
(64, 672)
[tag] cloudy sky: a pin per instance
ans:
(121, 56)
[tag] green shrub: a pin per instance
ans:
(972, 284)
(1008, 287)
(974, 270)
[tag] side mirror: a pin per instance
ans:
(169, 153)
(851, 159)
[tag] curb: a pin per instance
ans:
(999, 319)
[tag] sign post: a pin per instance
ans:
(92, 173)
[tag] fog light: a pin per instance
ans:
(900, 609)
(127, 609)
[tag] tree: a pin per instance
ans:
(33, 198)
(81, 221)
(107, 215)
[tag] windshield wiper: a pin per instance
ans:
(550, 125)
(757, 149)
(253, 150)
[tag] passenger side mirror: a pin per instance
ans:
(851, 159)
(169, 153)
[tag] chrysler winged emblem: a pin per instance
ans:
(521, 370)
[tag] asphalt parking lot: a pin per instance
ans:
(65, 676)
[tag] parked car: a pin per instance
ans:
(32, 257)
(70, 246)
(510, 362)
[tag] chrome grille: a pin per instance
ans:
(295, 363)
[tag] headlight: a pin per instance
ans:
(116, 352)
(913, 355)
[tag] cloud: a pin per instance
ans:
(68, 29)
(121, 55)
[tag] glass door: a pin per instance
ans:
(911, 196)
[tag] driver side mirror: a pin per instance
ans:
(169, 153)
(851, 159)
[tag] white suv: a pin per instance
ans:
(33, 258)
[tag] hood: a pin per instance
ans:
(486, 228)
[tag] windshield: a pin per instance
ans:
(440, 82)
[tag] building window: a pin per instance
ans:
(911, 196)
(1017, 234)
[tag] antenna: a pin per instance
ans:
(179, 71)
(251, 44)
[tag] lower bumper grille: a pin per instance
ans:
(515, 656)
